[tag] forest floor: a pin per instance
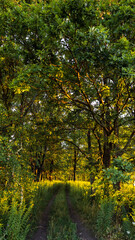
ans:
(83, 232)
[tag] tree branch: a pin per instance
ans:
(122, 151)
(69, 141)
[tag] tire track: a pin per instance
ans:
(83, 232)
(41, 233)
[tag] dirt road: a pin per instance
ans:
(83, 232)
(41, 233)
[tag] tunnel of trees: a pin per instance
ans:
(67, 92)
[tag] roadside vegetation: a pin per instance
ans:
(110, 216)
(19, 214)
(67, 112)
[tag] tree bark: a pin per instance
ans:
(89, 141)
(106, 151)
(75, 163)
(51, 170)
(39, 167)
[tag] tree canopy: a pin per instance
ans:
(67, 92)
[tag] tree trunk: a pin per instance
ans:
(38, 174)
(106, 151)
(89, 141)
(89, 147)
(40, 158)
(51, 170)
(92, 177)
(75, 163)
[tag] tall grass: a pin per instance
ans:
(43, 193)
(19, 215)
(111, 216)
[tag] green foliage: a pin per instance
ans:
(18, 217)
(111, 217)
(57, 57)
(16, 220)
(122, 164)
(66, 67)
(17, 224)
(119, 171)
(127, 225)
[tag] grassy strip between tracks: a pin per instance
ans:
(60, 225)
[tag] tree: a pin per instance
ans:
(67, 75)
(93, 76)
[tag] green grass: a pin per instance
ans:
(18, 219)
(60, 225)
(42, 196)
(111, 217)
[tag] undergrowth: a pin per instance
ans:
(112, 216)
(19, 216)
